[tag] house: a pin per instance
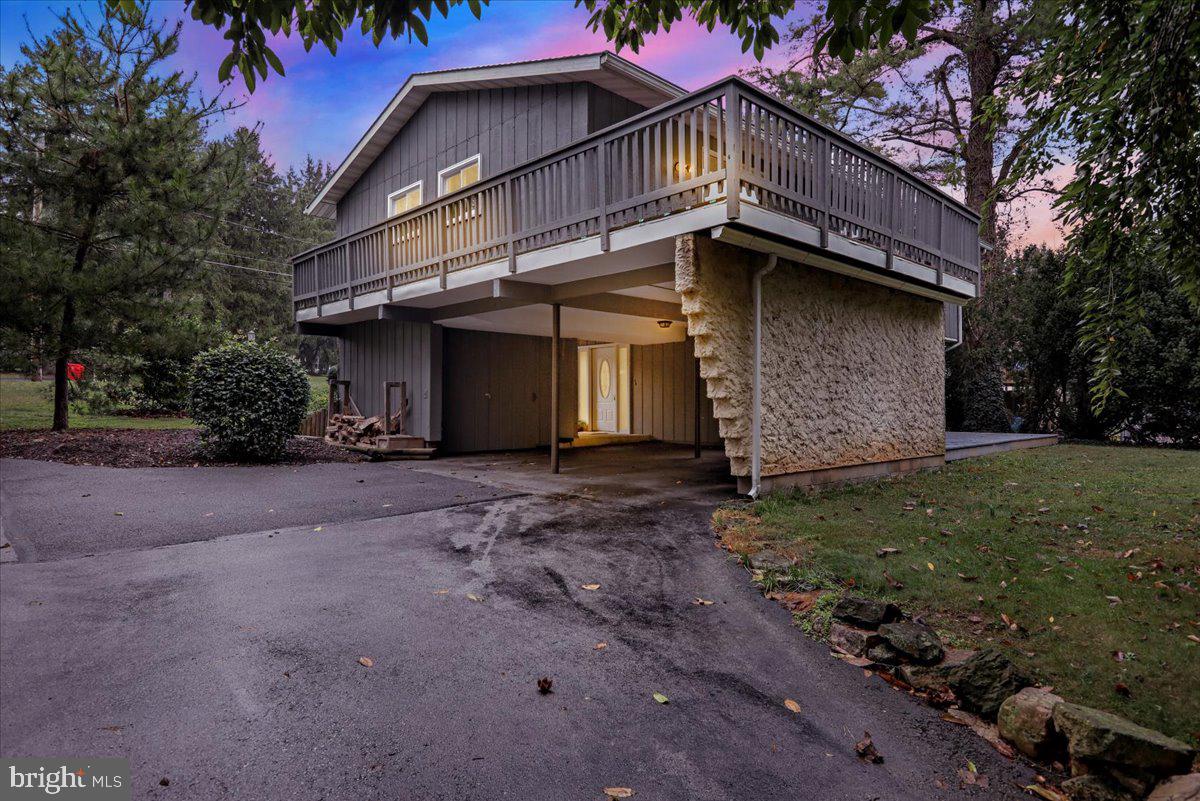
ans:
(578, 244)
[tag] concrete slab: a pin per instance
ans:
(969, 444)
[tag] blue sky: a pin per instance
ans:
(324, 103)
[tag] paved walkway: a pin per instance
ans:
(229, 665)
(969, 444)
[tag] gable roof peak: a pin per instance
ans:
(604, 68)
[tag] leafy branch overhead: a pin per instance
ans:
(851, 25)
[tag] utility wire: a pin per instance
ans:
(240, 255)
(241, 267)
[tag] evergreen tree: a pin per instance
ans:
(110, 192)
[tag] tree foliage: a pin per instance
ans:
(1044, 353)
(850, 25)
(1119, 90)
(110, 190)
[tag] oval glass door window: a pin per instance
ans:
(605, 379)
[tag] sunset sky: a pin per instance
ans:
(324, 103)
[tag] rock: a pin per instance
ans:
(883, 653)
(1136, 782)
(1095, 788)
(915, 641)
(985, 680)
(920, 677)
(850, 640)
(768, 560)
(1027, 721)
(864, 612)
(1095, 736)
(1178, 788)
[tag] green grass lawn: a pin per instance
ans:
(29, 404)
(1092, 554)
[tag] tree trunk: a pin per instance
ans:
(66, 335)
(979, 154)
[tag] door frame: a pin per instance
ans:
(621, 376)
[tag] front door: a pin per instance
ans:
(604, 387)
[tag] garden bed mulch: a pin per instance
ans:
(120, 447)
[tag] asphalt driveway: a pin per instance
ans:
(228, 664)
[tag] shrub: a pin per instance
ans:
(249, 397)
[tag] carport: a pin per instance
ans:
(598, 345)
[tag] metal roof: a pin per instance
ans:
(606, 70)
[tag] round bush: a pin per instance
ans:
(250, 398)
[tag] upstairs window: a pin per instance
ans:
(456, 176)
(404, 199)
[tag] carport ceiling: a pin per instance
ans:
(576, 323)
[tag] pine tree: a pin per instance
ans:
(110, 190)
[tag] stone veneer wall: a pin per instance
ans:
(853, 372)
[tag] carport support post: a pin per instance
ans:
(696, 430)
(556, 315)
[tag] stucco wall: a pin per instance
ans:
(853, 373)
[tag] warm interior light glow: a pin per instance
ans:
(664, 323)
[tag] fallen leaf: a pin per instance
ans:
(441, 592)
(857, 661)
(893, 583)
(662, 699)
(796, 602)
(600, 646)
(544, 685)
(366, 661)
(473, 597)
(1045, 792)
(930, 565)
(701, 602)
(1122, 689)
(618, 792)
(882, 552)
(589, 587)
(119, 514)
(318, 528)
(866, 749)
(987, 731)
(792, 705)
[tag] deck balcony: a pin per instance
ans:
(795, 181)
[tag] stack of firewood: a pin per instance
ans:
(352, 429)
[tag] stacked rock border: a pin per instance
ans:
(1106, 757)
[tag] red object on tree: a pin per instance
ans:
(74, 371)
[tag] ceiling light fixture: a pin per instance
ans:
(664, 323)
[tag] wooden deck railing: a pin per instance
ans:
(680, 155)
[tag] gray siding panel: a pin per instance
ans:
(505, 126)
(497, 391)
(662, 400)
(387, 350)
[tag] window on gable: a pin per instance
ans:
(404, 199)
(456, 176)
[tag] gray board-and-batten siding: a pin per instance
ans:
(505, 126)
(481, 391)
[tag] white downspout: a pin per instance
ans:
(756, 410)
